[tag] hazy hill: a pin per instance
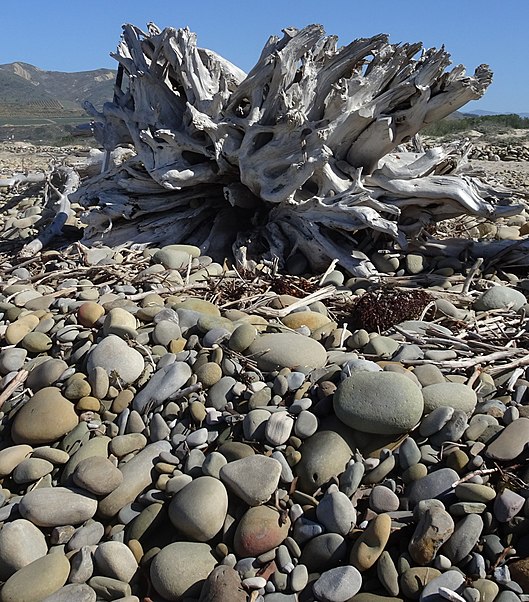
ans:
(24, 84)
(43, 105)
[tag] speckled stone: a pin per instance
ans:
(338, 584)
(223, 585)
(434, 528)
(384, 403)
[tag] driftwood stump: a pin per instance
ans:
(302, 154)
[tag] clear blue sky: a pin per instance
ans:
(74, 35)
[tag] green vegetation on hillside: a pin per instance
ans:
(487, 124)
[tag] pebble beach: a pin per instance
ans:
(174, 429)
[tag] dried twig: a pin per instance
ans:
(12, 386)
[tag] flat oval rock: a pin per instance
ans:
(287, 350)
(435, 484)
(453, 395)
(510, 443)
(56, 506)
(381, 403)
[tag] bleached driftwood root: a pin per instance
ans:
(302, 154)
(21, 179)
(67, 180)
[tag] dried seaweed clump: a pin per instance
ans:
(379, 310)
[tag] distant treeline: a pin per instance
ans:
(484, 123)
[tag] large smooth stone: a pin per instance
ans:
(338, 584)
(511, 441)
(37, 580)
(371, 543)
(97, 475)
(97, 446)
(253, 479)
(11, 457)
(45, 418)
(199, 509)
(115, 559)
(180, 569)
(453, 395)
(287, 350)
(464, 538)
(382, 403)
(324, 552)
(116, 356)
(45, 374)
(452, 580)
(259, 530)
(437, 483)
(21, 542)
(56, 506)
(499, 297)
(323, 456)
(137, 475)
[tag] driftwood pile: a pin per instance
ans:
(302, 155)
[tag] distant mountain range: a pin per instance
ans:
(480, 113)
(46, 106)
(27, 90)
